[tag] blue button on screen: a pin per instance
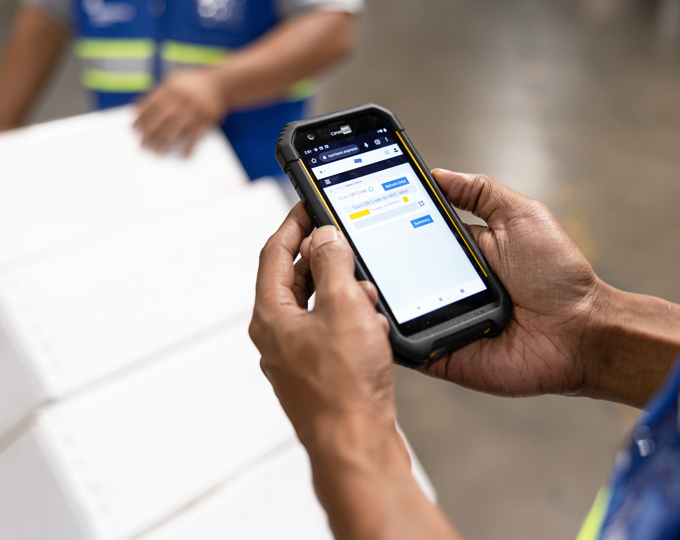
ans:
(421, 221)
(393, 184)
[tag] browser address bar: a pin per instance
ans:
(356, 161)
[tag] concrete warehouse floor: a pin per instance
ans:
(574, 103)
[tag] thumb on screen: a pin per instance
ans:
(332, 265)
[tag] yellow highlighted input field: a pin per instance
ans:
(360, 214)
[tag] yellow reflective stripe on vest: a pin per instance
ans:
(117, 65)
(184, 53)
(177, 55)
(303, 89)
(592, 526)
(111, 81)
(114, 48)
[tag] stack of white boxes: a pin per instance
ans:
(131, 399)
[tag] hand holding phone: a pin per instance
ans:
(554, 343)
(357, 170)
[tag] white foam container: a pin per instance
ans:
(115, 459)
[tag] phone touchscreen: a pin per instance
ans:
(412, 249)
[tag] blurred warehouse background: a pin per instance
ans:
(573, 102)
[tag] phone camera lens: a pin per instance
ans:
(310, 136)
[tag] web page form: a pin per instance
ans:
(405, 242)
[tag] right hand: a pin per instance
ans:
(553, 288)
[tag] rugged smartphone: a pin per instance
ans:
(356, 169)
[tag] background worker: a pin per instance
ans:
(243, 64)
(570, 334)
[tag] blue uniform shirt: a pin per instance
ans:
(644, 488)
(128, 46)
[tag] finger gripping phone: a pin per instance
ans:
(357, 170)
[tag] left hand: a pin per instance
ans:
(331, 369)
(184, 106)
(335, 362)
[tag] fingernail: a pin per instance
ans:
(322, 236)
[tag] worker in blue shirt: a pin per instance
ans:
(570, 334)
(241, 64)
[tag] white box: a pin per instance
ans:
(70, 180)
(68, 185)
(274, 498)
(86, 312)
(114, 460)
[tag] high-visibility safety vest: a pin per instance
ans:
(592, 526)
(642, 497)
(127, 46)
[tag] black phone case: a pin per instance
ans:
(410, 351)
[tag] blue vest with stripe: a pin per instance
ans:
(128, 46)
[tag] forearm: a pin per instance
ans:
(292, 51)
(363, 479)
(629, 346)
(33, 49)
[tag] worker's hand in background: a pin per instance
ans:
(182, 107)
(545, 347)
(335, 360)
